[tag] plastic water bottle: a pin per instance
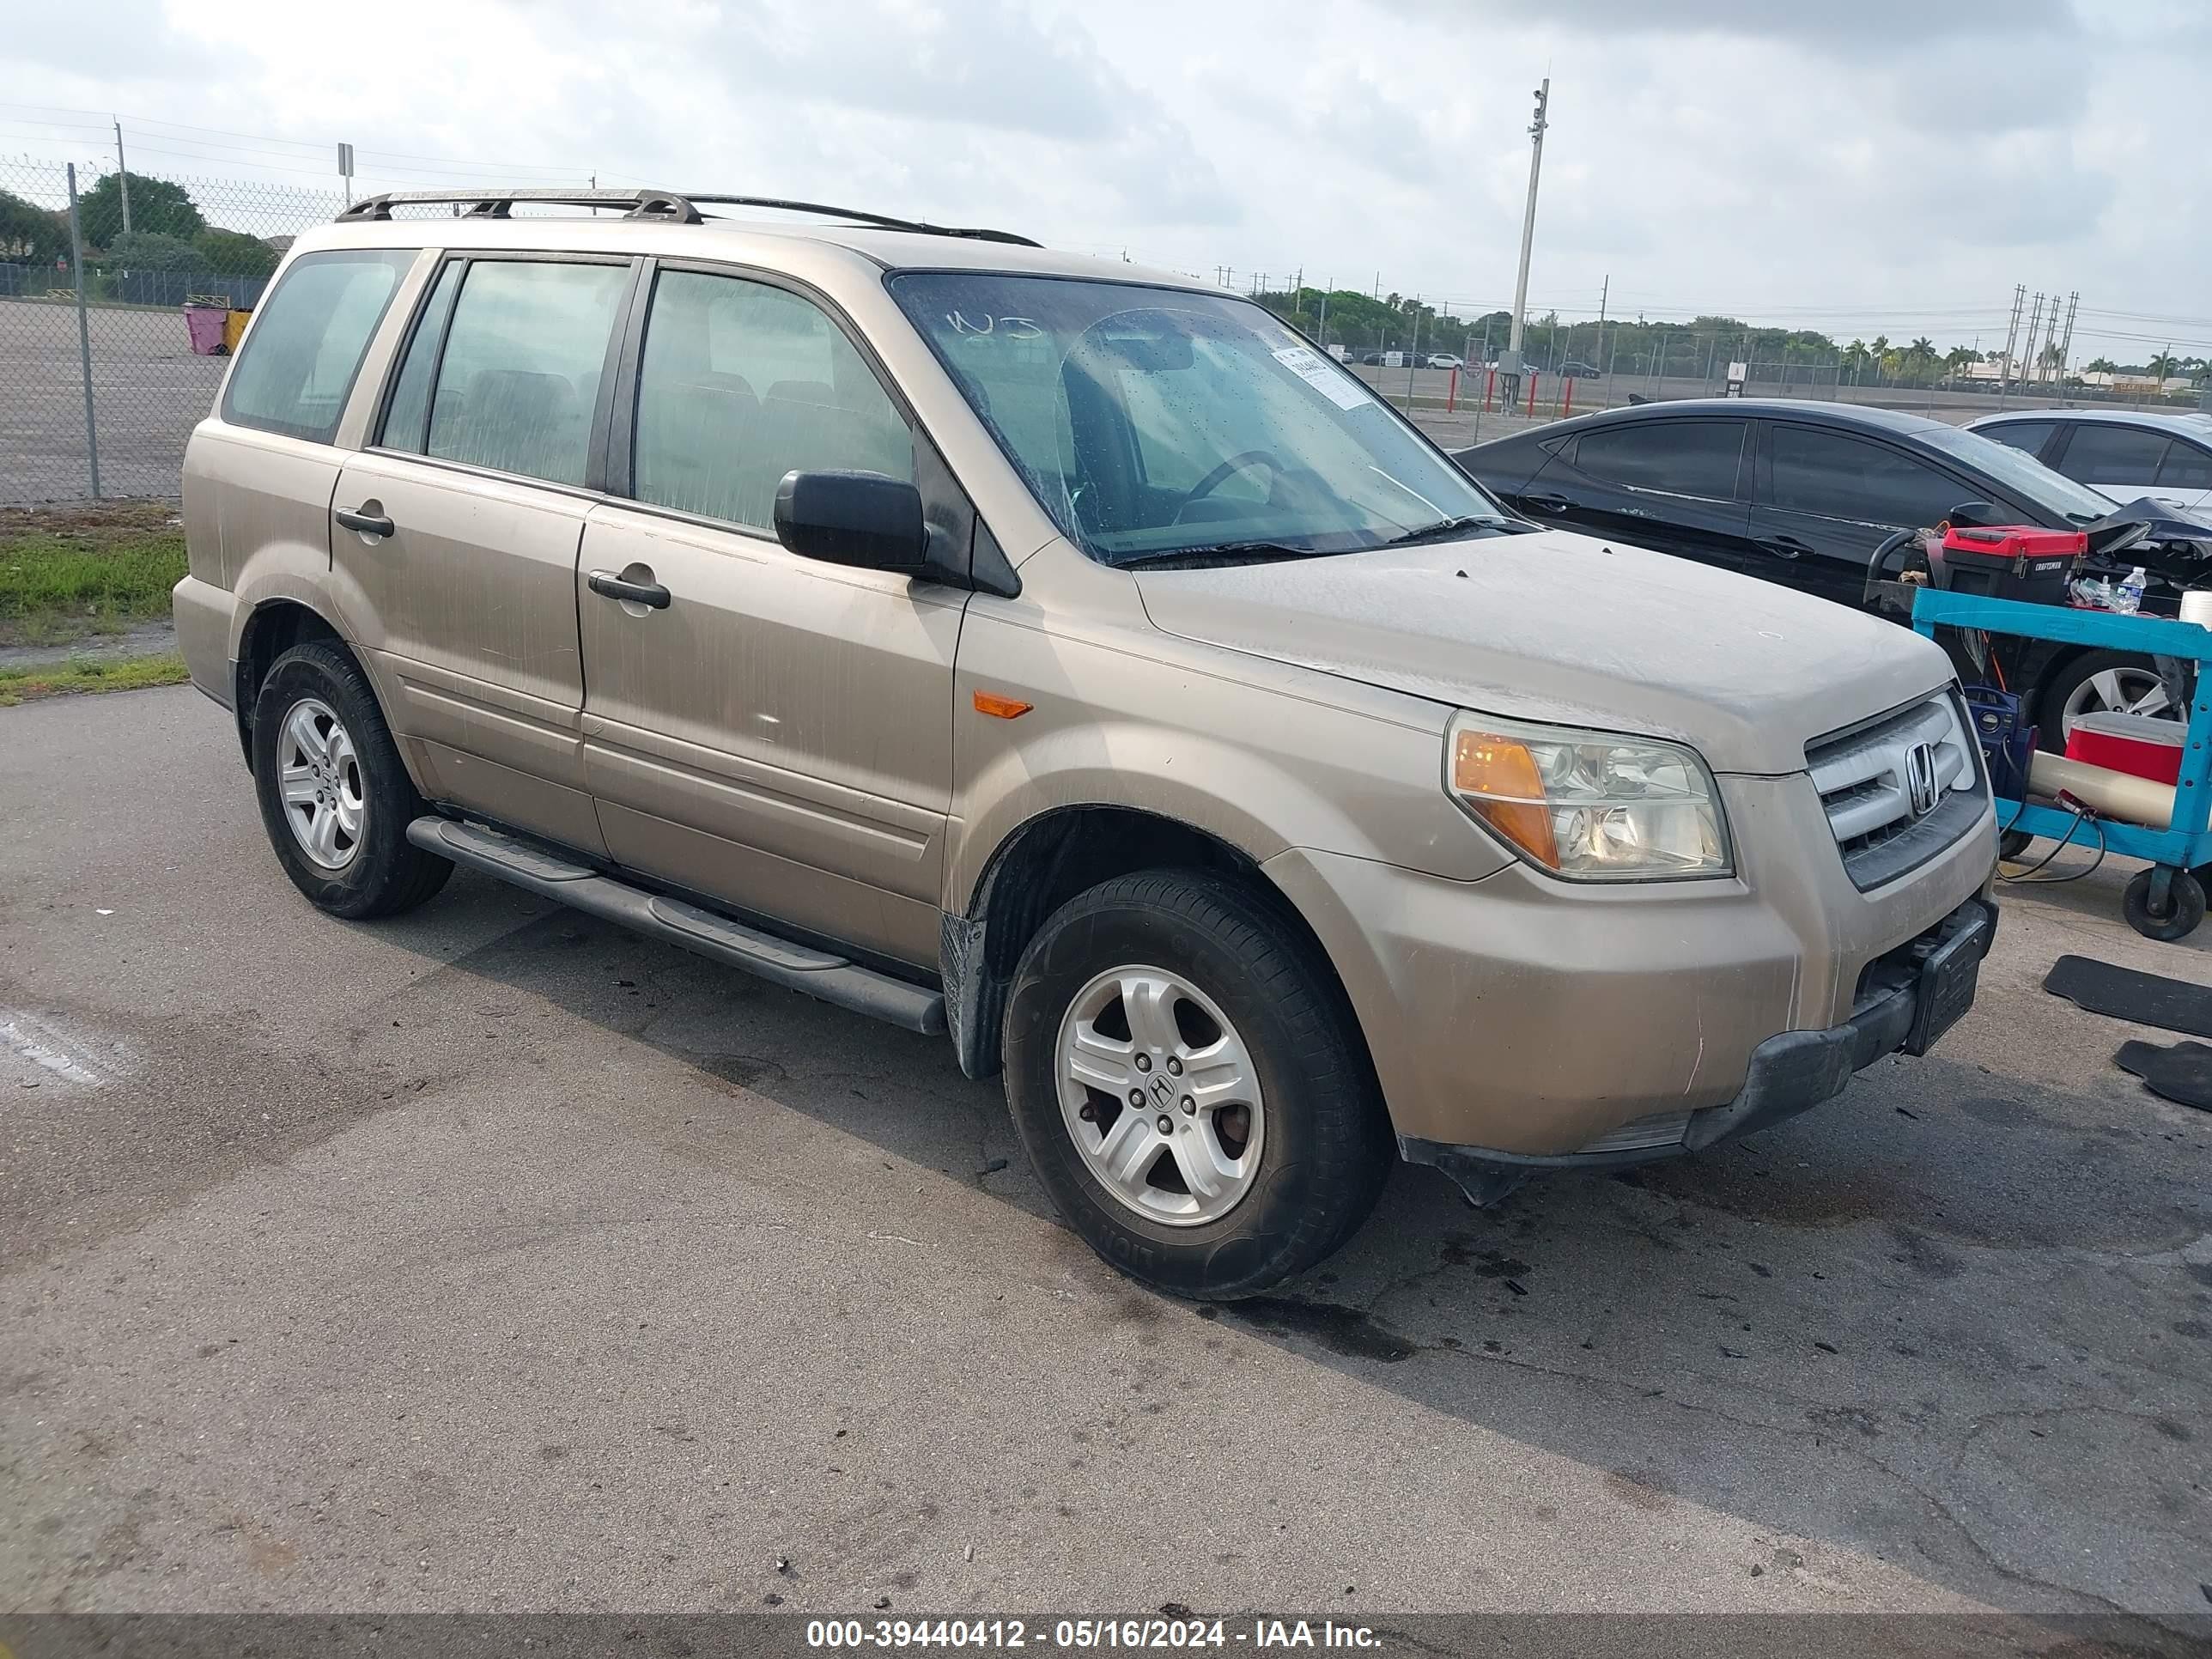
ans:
(2127, 597)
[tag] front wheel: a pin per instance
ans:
(2100, 683)
(1191, 1087)
(336, 798)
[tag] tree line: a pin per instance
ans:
(1702, 347)
(168, 233)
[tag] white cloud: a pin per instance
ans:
(1885, 165)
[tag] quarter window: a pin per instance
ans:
(2185, 467)
(742, 382)
(519, 374)
(299, 359)
(2113, 455)
(1838, 477)
(1682, 458)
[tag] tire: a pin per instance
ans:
(367, 866)
(2184, 907)
(2011, 843)
(2079, 683)
(1314, 1146)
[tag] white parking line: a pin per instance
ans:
(30, 1040)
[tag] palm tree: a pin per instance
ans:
(2162, 366)
(1855, 358)
(1878, 349)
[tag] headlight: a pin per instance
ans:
(1589, 805)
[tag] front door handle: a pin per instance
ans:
(606, 584)
(1786, 547)
(1548, 503)
(368, 524)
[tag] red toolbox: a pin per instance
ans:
(2009, 562)
(2134, 743)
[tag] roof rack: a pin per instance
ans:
(497, 204)
(881, 222)
(680, 208)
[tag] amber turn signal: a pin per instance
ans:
(1497, 777)
(1002, 708)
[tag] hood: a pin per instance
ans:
(1560, 628)
(2148, 532)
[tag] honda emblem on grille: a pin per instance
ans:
(1920, 785)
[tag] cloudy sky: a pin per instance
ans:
(1863, 166)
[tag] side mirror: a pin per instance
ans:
(861, 518)
(1970, 515)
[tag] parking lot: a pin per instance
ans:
(493, 1259)
(147, 392)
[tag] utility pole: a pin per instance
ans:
(1597, 352)
(2012, 339)
(2066, 339)
(2050, 341)
(122, 178)
(1511, 362)
(2034, 326)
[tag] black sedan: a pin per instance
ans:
(1803, 493)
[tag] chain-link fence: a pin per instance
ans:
(114, 319)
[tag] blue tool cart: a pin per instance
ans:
(2165, 902)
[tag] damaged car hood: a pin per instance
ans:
(1563, 628)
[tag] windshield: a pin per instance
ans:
(1154, 421)
(2021, 473)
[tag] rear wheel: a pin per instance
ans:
(335, 796)
(1190, 1086)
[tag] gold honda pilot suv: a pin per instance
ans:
(1074, 661)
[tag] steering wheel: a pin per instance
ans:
(1221, 475)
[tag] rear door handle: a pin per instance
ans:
(606, 584)
(1786, 547)
(368, 524)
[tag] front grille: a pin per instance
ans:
(1863, 772)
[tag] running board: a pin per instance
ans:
(795, 967)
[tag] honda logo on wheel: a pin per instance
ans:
(1920, 785)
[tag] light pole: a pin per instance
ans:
(1510, 363)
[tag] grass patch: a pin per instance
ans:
(81, 674)
(102, 569)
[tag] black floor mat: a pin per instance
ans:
(2182, 1073)
(2172, 1004)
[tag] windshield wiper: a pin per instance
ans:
(1222, 553)
(1444, 529)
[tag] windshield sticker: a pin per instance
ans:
(1326, 377)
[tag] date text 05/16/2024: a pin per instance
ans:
(1127, 1634)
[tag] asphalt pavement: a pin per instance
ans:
(490, 1258)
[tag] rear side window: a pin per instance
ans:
(407, 418)
(517, 377)
(1840, 476)
(742, 382)
(2113, 455)
(2185, 467)
(2029, 435)
(299, 359)
(1683, 458)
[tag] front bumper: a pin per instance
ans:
(1910, 996)
(1519, 1014)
